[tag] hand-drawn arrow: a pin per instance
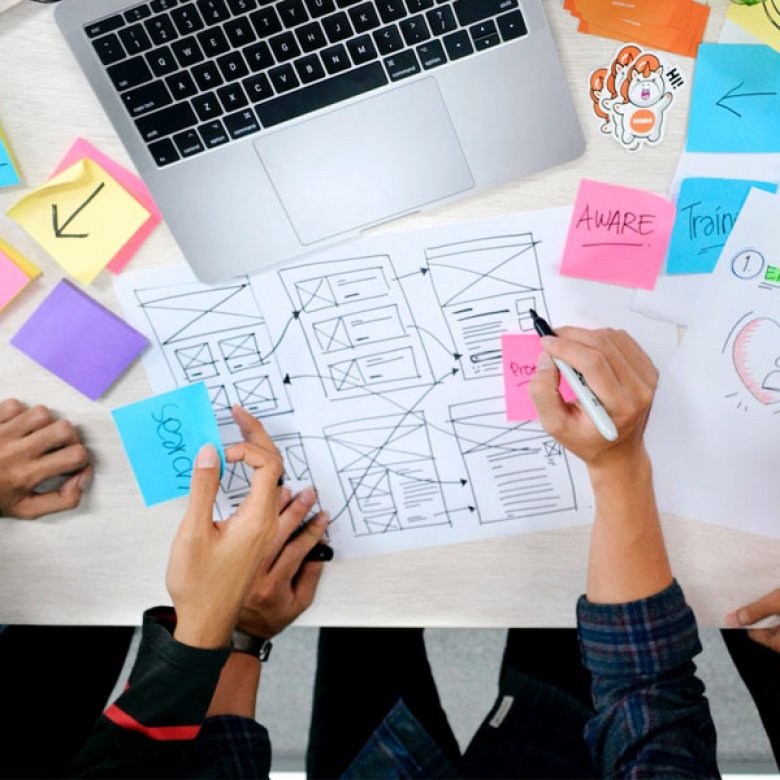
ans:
(732, 94)
(59, 230)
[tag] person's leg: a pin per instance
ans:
(759, 668)
(551, 655)
(55, 682)
(361, 675)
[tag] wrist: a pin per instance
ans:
(623, 471)
(201, 636)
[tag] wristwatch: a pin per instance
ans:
(256, 646)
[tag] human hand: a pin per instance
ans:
(284, 585)
(619, 373)
(212, 564)
(766, 606)
(34, 447)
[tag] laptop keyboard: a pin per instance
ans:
(196, 74)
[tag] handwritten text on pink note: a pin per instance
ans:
(520, 354)
(617, 235)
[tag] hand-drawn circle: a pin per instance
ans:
(748, 264)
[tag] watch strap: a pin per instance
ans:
(256, 646)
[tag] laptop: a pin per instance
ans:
(268, 129)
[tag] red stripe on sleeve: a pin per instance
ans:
(160, 733)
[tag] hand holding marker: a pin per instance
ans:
(590, 403)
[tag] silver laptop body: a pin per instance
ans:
(278, 146)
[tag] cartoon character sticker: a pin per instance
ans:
(631, 97)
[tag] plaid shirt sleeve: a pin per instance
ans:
(652, 718)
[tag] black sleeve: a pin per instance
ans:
(149, 729)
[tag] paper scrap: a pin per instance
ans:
(9, 169)
(735, 101)
(520, 354)
(79, 340)
(82, 218)
(81, 149)
(162, 436)
(761, 21)
(706, 212)
(617, 235)
(16, 272)
(713, 428)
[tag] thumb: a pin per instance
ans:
(544, 392)
(752, 613)
(203, 486)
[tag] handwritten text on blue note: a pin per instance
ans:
(735, 105)
(162, 436)
(706, 211)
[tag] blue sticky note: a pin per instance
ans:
(162, 437)
(735, 104)
(706, 212)
(9, 176)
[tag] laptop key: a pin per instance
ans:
(362, 50)
(418, 5)
(109, 49)
(188, 52)
(213, 42)
(213, 134)
(147, 98)
(337, 27)
(158, 6)
(258, 56)
(483, 29)
(181, 85)
(311, 37)
(364, 17)
(207, 106)
(458, 45)
(431, 54)
(322, 94)
(130, 73)
(403, 65)
(471, 11)
(137, 14)
(232, 97)
(442, 20)
(487, 42)
(266, 22)
(336, 59)
(207, 75)
(164, 152)
(188, 143)
(213, 11)
(162, 61)
(388, 40)
(241, 6)
(161, 29)
(135, 39)
(415, 30)
(283, 78)
(512, 25)
(232, 66)
(187, 19)
(391, 10)
(285, 47)
(258, 87)
(292, 13)
(105, 26)
(166, 122)
(309, 68)
(241, 123)
(319, 8)
(240, 32)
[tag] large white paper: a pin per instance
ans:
(676, 297)
(376, 367)
(717, 413)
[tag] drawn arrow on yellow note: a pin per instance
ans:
(59, 229)
(83, 202)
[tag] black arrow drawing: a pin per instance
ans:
(59, 230)
(456, 355)
(460, 509)
(733, 94)
(422, 271)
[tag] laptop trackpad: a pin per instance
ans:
(366, 163)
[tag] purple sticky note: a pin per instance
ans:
(79, 340)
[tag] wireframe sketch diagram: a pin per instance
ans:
(387, 473)
(358, 325)
(523, 468)
(485, 287)
(217, 335)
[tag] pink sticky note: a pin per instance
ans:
(12, 280)
(617, 235)
(81, 149)
(520, 353)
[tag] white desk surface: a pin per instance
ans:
(105, 562)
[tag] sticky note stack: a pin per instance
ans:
(16, 272)
(676, 27)
(9, 169)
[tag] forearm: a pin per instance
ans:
(236, 692)
(628, 559)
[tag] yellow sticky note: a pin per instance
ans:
(762, 20)
(82, 218)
